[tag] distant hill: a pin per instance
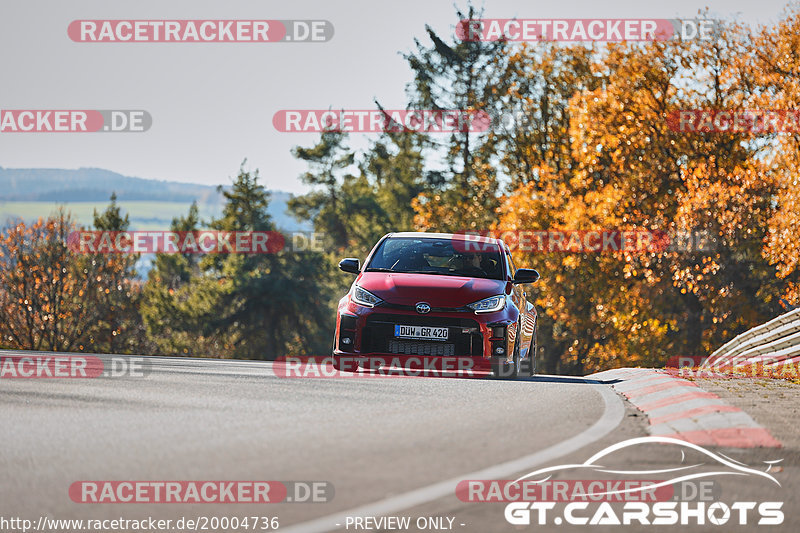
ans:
(32, 192)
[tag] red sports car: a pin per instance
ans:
(433, 295)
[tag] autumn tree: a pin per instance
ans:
(463, 75)
(120, 329)
(326, 205)
(250, 306)
(624, 168)
(50, 297)
(776, 67)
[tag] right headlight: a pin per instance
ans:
(364, 297)
(489, 305)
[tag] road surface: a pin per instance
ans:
(388, 447)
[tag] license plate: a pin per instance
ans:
(421, 332)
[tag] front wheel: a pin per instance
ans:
(502, 370)
(530, 362)
(530, 365)
(344, 363)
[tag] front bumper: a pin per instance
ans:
(369, 332)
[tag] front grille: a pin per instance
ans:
(400, 307)
(423, 320)
(422, 348)
(464, 337)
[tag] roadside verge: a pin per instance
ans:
(681, 409)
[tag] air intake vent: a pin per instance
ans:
(422, 348)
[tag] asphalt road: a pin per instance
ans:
(393, 447)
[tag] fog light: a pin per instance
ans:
(499, 350)
(346, 340)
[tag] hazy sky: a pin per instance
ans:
(212, 104)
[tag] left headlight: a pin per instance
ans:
(364, 297)
(489, 305)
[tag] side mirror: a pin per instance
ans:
(350, 265)
(526, 275)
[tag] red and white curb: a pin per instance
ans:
(681, 409)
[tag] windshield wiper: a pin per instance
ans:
(376, 269)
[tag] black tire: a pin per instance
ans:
(531, 362)
(500, 370)
(366, 364)
(531, 366)
(344, 363)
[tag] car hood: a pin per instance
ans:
(436, 290)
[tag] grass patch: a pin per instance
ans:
(144, 215)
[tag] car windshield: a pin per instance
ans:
(436, 256)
